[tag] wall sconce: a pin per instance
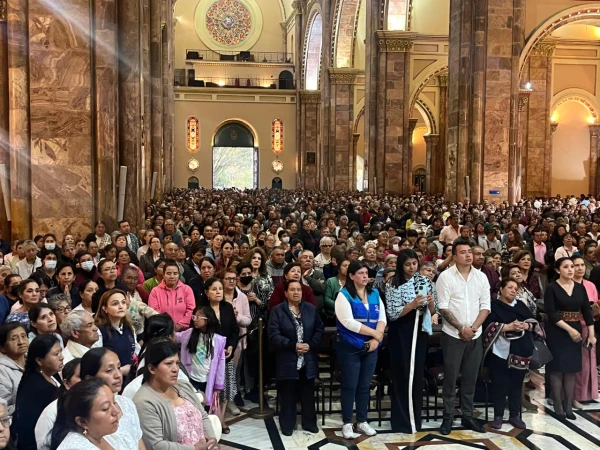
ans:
(524, 98)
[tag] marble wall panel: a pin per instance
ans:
(61, 172)
(4, 121)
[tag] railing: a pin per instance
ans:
(236, 83)
(197, 56)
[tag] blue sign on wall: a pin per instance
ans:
(494, 192)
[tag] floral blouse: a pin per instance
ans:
(400, 296)
(189, 423)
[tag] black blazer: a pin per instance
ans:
(283, 340)
(228, 328)
(147, 264)
(33, 395)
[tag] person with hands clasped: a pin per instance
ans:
(565, 301)
(411, 303)
(360, 321)
(464, 302)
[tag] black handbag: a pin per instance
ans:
(541, 354)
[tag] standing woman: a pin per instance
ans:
(586, 381)
(262, 283)
(565, 300)
(13, 350)
(227, 328)
(116, 328)
(333, 286)
(361, 323)
(531, 279)
(39, 387)
(295, 333)
(223, 261)
(66, 285)
(29, 295)
(411, 302)
(508, 347)
(173, 297)
(153, 254)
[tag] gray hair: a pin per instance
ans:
(29, 243)
(56, 299)
(73, 322)
(325, 240)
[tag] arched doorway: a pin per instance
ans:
(193, 183)
(235, 157)
(286, 80)
(419, 179)
(277, 183)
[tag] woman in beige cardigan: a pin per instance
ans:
(170, 414)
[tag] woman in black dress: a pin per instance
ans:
(565, 300)
(411, 301)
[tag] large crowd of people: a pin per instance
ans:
(147, 338)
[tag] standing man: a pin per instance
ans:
(132, 241)
(464, 302)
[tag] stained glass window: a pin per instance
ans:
(193, 134)
(277, 136)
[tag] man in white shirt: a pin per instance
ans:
(464, 302)
(82, 334)
(451, 231)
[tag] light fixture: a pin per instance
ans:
(277, 166)
(193, 165)
(528, 85)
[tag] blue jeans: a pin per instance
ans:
(357, 368)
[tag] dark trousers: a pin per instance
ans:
(464, 358)
(288, 392)
(507, 382)
(357, 368)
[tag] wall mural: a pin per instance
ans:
(229, 22)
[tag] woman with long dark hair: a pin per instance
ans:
(361, 322)
(411, 301)
(38, 388)
(203, 353)
(565, 300)
(13, 350)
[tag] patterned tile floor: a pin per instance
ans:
(545, 432)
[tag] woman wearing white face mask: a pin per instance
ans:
(48, 270)
(354, 232)
(284, 239)
(86, 268)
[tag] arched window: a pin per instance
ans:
(312, 59)
(277, 136)
(193, 134)
(235, 157)
(193, 183)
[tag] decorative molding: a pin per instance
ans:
(356, 137)
(432, 129)
(544, 49)
(594, 130)
(310, 96)
(432, 139)
(395, 41)
(3, 12)
(523, 98)
(299, 6)
(342, 75)
(554, 126)
(579, 99)
(443, 80)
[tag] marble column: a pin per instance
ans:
(4, 115)
(594, 158)
(522, 142)
(19, 131)
(168, 98)
(130, 107)
(407, 163)
(486, 40)
(146, 175)
(105, 113)
(310, 156)
(432, 143)
(300, 8)
(354, 168)
(327, 165)
(538, 146)
(156, 68)
(339, 127)
(374, 23)
(62, 148)
(438, 162)
(392, 153)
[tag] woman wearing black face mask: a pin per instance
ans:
(12, 285)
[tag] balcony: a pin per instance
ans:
(285, 80)
(245, 57)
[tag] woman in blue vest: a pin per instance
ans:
(360, 318)
(411, 301)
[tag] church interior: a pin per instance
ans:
(106, 105)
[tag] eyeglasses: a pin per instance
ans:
(6, 421)
(230, 279)
(326, 245)
(62, 309)
(199, 318)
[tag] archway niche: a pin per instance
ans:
(235, 157)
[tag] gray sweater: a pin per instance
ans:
(157, 418)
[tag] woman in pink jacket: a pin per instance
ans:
(173, 297)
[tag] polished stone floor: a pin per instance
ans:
(545, 432)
